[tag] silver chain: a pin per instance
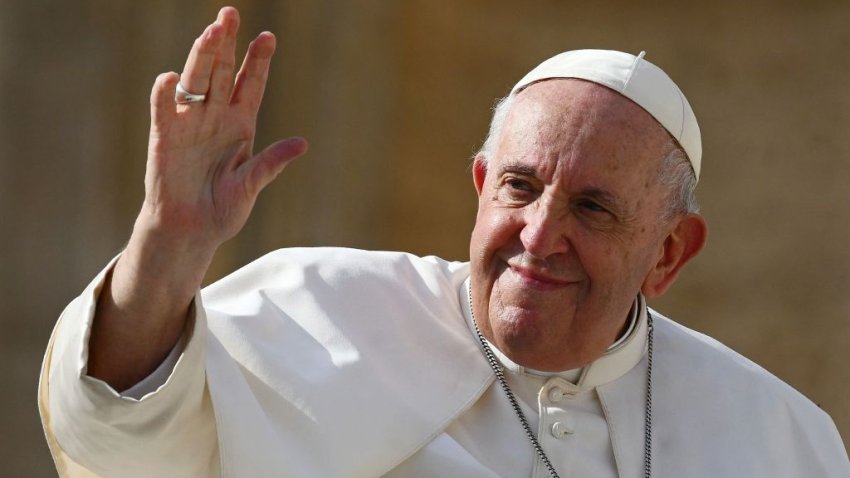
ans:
(500, 376)
(647, 411)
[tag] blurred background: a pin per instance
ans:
(395, 97)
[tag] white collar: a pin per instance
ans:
(620, 357)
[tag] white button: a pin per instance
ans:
(561, 429)
(556, 394)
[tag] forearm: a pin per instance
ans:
(144, 304)
(201, 181)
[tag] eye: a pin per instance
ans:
(516, 190)
(518, 184)
(591, 206)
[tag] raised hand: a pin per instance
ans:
(202, 177)
(202, 180)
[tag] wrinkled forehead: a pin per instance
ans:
(563, 114)
(583, 139)
(568, 103)
(635, 78)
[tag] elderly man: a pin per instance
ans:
(537, 358)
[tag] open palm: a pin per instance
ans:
(202, 176)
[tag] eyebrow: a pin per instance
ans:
(518, 169)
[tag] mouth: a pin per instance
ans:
(537, 279)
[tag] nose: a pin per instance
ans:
(544, 232)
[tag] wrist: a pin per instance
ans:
(183, 240)
(166, 267)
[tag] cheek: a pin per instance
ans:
(606, 258)
(620, 265)
(494, 228)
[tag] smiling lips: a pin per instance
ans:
(538, 280)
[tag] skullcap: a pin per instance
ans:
(636, 79)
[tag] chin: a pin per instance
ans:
(519, 330)
(535, 337)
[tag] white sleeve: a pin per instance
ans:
(94, 431)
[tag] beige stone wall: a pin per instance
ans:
(395, 97)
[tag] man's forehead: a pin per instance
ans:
(583, 99)
(635, 78)
(557, 116)
(582, 137)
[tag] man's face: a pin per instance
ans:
(568, 223)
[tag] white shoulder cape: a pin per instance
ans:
(342, 363)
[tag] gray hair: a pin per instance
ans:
(500, 112)
(677, 175)
(675, 172)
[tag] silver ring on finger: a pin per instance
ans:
(183, 97)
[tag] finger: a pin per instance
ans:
(196, 73)
(265, 166)
(253, 75)
(163, 107)
(221, 80)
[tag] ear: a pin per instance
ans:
(479, 172)
(685, 241)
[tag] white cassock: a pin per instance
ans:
(346, 363)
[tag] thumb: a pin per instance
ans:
(268, 163)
